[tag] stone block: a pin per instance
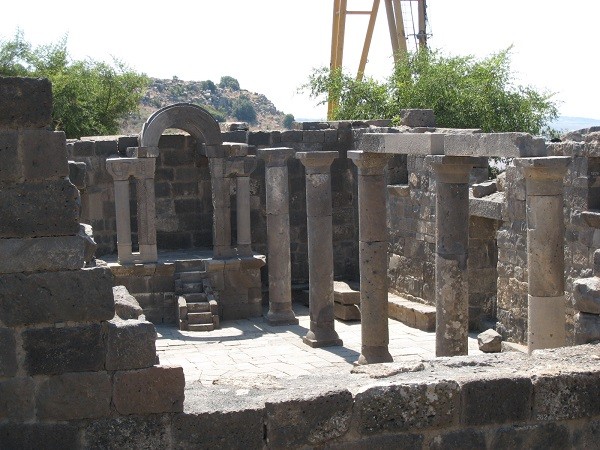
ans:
(346, 312)
(408, 407)
(415, 118)
(16, 400)
(53, 351)
(413, 314)
(39, 209)
(586, 295)
(468, 439)
(25, 102)
(51, 297)
(130, 344)
(77, 171)
(587, 328)
(484, 189)
(403, 143)
(126, 306)
(507, 145)
(310, 421)
(148, 432)
(566, 396)
(153, 390)
(73, 396)
(38, 435)
(499, 400)
(8, 352)
(542, 436)
(43, 155)
(219, 429)
(490, 341)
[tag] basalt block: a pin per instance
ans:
(8, 356)
(39, 435)
(25, 102)
(16, 399)
(130, 345)
(52, 297)
(39, 209)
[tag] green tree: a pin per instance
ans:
(90, 97)
(463, 91)
(288, 120)
(228, 82)
(243, 109)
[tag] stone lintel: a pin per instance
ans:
(544, 176)
(123, 168)
(369, 163)
(505, 145)
(226, 150)
(317, 162)
(403, 143)
(240, 166)
(275, 157)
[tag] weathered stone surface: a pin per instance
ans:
(490, 341)
(586, 295)
(8, 356)
(148, 391)
(499, 400)
(74, 396)
(227, 429)
(87, 234)
(587, 328)
(507, 145)
(413, 314)
(489, 207)
(406, 407)
(126, 306)
(77, 171)
(566, 396)
(546, 436)
(16, 399)
(396, 441)
(130, 344)
(484, 189)
(309, 421)
(403, 143)
(149, 432)
(38, 435)
(416, 118)
(50, 297)
(52, 351)
(39, 209)
(25, 102)
(468, 439)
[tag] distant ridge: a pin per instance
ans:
(568, 123)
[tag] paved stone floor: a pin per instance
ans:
(250, 347)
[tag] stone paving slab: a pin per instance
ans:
(242, 349)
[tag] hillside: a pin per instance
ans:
(225, 100)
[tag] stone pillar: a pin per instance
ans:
(241, 168)
(373, 242)
(120, 174)
(545, 250)
(451, 254)
(221, 208)
(146, 204)
(320, 248)
(278, 235)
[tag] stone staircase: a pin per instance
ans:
(197, 307)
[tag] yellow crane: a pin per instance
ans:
(396, 28)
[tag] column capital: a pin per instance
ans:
(453, 169)
(369, 163)
(317, 162)
(123, 168)
(241, 166)
(226, 150)
(275, 157)
(544, 175)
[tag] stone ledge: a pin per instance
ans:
(413, 314)
(489, 206)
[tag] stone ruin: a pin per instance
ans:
(404, 209)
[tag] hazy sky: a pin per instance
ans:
(271, 46)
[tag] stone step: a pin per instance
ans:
(198, 307)
(189, 265)
(413, 314)
(346, 293)
(346, 312)
(199, 317)
(188, 288)
(201, 327)
(196, 297)
(191, 277)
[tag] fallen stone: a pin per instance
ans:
(25, 102)
(587, 328)
(417, 117)
(490, 341)
(489, 207)
(385, 370)
(87, 234)
(130, 344)
(501, 182)
(586, 295)
(484, 189)
(126, 306)
(77, 171)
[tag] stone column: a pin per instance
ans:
(120, 173)
(242, 198)
(373, 242)
(545, 250)
(278, 235)
(320, 248)
(146, 204)
(451, 254)
(221, 208)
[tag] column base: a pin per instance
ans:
(322, 339)
(546, 322)
(281, 318)
(374, 355)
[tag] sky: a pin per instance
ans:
(272, 46)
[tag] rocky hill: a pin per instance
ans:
(225, 101)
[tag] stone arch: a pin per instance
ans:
(184, 116)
